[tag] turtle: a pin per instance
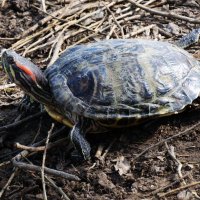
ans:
(110, 84)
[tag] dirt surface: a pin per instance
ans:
(120, 173)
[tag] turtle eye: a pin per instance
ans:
(10, 59)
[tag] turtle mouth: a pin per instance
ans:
(7, 66)
(15, 73)
(2, 51)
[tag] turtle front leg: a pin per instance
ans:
(28, 105)
(79, 141)
(189, 39)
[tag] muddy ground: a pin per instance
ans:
(120, 173)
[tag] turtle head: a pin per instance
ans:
(26, 75)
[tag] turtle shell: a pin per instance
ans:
(117, 79)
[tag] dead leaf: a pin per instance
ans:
(184, 195)
(122, 165)
(173, 28)
(103, 181)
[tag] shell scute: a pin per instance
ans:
(125, 79)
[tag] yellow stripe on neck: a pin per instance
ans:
(58, 117)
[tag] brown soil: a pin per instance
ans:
(119, 175)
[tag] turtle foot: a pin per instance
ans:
(81, 144)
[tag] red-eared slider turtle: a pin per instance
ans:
(110, 84)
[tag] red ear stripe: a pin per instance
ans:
(27, 71)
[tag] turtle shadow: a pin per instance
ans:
(147, 133)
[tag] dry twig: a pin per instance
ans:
(43, 163)
(57, 48)
(64, 196)
(3, 87)
(171, 152)
(139, 31)
(52, 172)
(41, 148)
(13, 125)
(115, 20)
(156, 192)
(111, 32)
(8, 183)
(173, 191)
(165, 14)
(29, 148)
(16, 162)
(5, 163)
(43, 5)
(6, 38)
(167, 139)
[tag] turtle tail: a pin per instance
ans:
(189, 39)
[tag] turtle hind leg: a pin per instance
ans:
(189, 39)
(79, 141)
